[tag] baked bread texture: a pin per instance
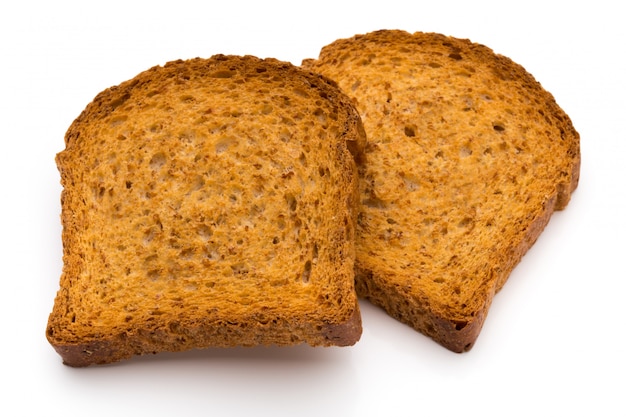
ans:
(467, 158)
(208, 203)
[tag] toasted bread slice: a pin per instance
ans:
(467, 158)
(208, 202)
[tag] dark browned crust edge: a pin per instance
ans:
(346, 333)
(124, 346)
(91, 353)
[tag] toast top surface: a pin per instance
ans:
(212, 190)
(466, 152)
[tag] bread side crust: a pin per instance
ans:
(121, 346)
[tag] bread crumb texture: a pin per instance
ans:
(467, 157)
(208, 202)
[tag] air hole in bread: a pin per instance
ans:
(409, 130)
(118, 120)
(197, 183)
(465, 151)
(153, 93)
(455, 56)
(257, 191)
(339, 300)
(374, 202)
(211, 253)
(204, 232)
(187, 99)
(292, 203)
(460, 325)
(121, 100)
(149, 235)
(302, 160)
(267, 109)
(98, 192)
(223, 74)
(466, 222)
(285, 135)
(301, 92)
(157, 161)
(187, 253)
(239, 268)
(306, 273)
(321, 117)
(223, 145)
(297, 224)
(410, 182)
(498, 127)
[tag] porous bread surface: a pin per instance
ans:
(208, 202)
(467, 158)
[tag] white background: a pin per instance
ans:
(553, 342)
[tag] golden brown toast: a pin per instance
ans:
(467, 158)
(208, 202)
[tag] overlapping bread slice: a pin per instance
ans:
(208, 202)
(467, 158)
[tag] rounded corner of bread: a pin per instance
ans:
(346, 333)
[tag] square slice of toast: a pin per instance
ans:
(208, 203)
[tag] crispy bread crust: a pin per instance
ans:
(124, 346)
